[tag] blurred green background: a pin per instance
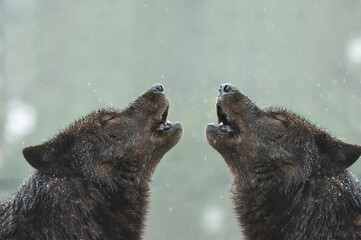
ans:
(60, 60)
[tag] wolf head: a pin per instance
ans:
(111, 144)
(273, 142)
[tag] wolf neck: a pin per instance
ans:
(115, 214)
(123, 209)
(269, 211)
(262, 212)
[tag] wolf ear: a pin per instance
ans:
(52, 156)
(339, 154)
(35, 155)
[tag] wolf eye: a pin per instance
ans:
(107, 119)
(279, 119)
(276, 118)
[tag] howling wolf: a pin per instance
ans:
(290, 178)
(92, 179)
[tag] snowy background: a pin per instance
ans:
(60, 60)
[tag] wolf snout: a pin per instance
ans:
(158, 88)
(226, 88)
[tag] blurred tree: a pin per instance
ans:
(2, 80)
(2, 67)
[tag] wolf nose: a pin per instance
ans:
(158, 88)
(226, 88)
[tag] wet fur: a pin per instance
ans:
(47, 207)
(92, 179)
(290, 178)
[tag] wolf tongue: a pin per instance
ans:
(228, 128)
(163, 127)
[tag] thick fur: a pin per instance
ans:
(92, 179)
(290, 178)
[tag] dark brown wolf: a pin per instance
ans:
(290, 178)
(92, 179)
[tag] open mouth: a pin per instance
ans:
(164, 124)
(224, 123)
